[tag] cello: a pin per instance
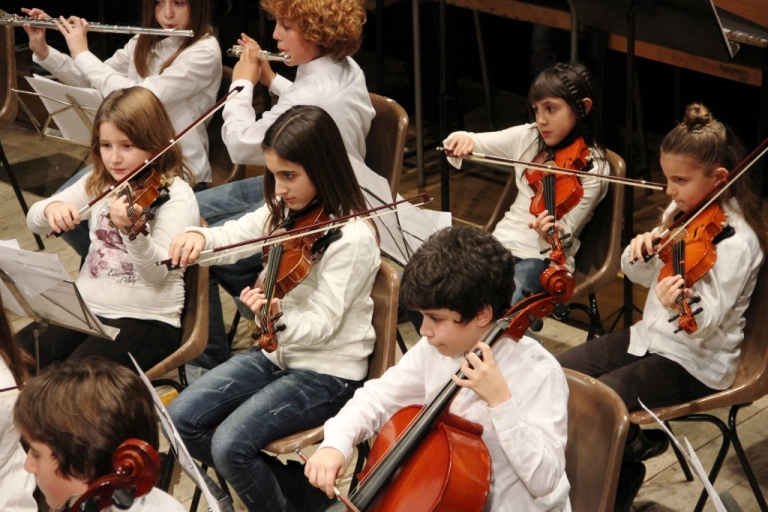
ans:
(425, 458)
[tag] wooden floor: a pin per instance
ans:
(41, 165)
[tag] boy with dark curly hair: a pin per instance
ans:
(462, 280)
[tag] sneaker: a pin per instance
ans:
(630, 480)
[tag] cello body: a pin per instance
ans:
(449, 472)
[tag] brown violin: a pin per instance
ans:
(429, 460)
(558, 193)
(137, 466)
(288, 264)
(147, 192)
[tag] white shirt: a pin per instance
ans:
(338, 87)
(119, 278)
(154, 501)
(187, 88)
(711, 353)
(526, 436)
(521, 143)
(328, 315)
(16, 485)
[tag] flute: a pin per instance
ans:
(18, 21)
(237, 50)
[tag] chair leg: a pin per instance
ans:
(401, 342)
(17, 190)
(681, 458)
(233, 328)
(743, 458)
(363, 449)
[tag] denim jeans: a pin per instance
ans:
(80, 237)
(230, 201)
(527, 273)
(228, 415)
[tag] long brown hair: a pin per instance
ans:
(308, 136)
(140, 115)
(199, 23)
(712, 144)
(15, 357)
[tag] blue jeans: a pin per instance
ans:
(229, 414)
(217, 206)
(80, 237)
(527, 273)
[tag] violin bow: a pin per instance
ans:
(283, 236)
(168, 145)
(485, 158)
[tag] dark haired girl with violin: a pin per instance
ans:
(560, 102)
(129, 231)
(321, 326)
(687, 344)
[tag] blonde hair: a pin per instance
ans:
(335, 26)
(140, 115)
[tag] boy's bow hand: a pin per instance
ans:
(323, 468)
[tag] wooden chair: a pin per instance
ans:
(223, 170)
(599, 257)
(597, 429)
(10, 105)
(385, 143)
(750, 385)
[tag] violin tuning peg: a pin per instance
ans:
(565, 236)
(280, 328)
(673, 318)
(694, 313)
(694, 300)
(527, 292)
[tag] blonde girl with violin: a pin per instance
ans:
(16, 485)
(230, 413)
(561, 106)
(118, 280)
(652, 361)
(183, 72)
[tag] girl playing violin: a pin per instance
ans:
(184, 72)
(560, 101)
(118, 280)
(651, 361)
(230, 413)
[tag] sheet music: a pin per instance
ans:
(46, 269)
(690, 455)
(185, 459)
(67, 119)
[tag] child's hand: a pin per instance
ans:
(36, 34)
(543, 222)
(484, 377)
(669, 288)
(62, 216)
(323, 468)
(255, 299)
(642, 245)
(74, 30)
(460, 145)
(267, 75)
(185, 248)
(119, 212)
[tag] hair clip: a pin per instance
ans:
(703, 131)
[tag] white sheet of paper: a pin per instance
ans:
(185, 459)
(9, 301)
(34, 272)
(690, 455)
(68, 121)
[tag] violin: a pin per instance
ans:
(147, 192)
(558, 193)
(427, 459)
(137, 466)
(289, 263)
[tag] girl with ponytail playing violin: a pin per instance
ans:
(231, 412)
(561, 104)
(656, 361)
(118, 280)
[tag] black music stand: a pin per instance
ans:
(690, 26)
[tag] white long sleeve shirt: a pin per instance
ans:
(526, 436)
(711, 353)
(338, 87)
(521, 143)
(187, 88)
(16, 485)
(328, 315)
(119, 278)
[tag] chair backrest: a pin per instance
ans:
(597, 429)
(599, 257)
(385, 293)
(194, 322)
(222, 168)
(7, 74)
(751, 381)
(385, 143)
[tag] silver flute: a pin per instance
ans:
(18, 21)
(237, 50)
